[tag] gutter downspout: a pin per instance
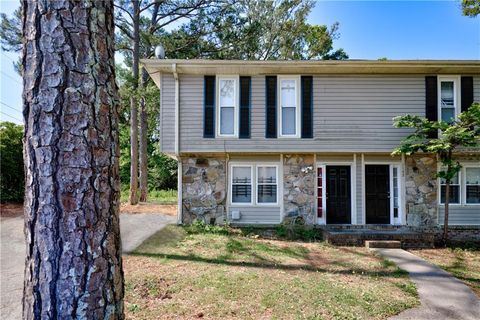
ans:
(177, 144)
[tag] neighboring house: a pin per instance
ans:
(262, 142)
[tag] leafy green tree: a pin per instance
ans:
(11, 34)
(11, 162)
(471, 8)
(254, 30)
(452, 137)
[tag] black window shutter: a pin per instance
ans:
(466, 89)
(245, 92)
(431, 101)
(307, 106)
(209, 107)
(271, 106)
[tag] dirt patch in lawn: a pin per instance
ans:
(146, 207)
(463, 263)
(177, 274)
(11, 210)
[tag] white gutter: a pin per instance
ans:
(177, 109)
(179, 191)
(177, 142)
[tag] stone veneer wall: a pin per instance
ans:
(203, 190)
(421, 190)
(299, 187)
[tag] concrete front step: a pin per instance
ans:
(383, 244)
(358, 237)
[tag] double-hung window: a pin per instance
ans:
(254, 184)
(448, 96)
(267, 184)
(454, 194)
(472, 185)
(227, 106)
(242, 184)
(289, 119)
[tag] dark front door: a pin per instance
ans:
(377, 194)
(338, 194)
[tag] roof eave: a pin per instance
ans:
(470, 67)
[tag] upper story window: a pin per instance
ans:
(448, 96)
(227, 106)
(289, 119)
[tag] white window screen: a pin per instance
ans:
(472, 183)
(241, 185)
(454, 194)
(447, 100)
(227, 106)
(266, 184)
(288, 89)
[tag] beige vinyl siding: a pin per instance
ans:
(167, 114)
(256, 215)
(460, 215)
(351, 114)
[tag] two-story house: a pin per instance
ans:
(263, 142)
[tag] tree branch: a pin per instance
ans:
(124, 10)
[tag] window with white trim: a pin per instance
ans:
(241, 184)
(289, 107)
(396, 186)
(448, 99)
(454, 194)
(227, 106)
(472, 185)
(267, 184)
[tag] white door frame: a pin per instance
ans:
(353, 199)
(400, 220)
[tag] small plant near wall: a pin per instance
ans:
(463, 132)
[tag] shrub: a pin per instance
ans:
(12, 186)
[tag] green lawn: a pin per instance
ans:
(179, 273)
(463, 263)
(154, 196)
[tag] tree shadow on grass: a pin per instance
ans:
(268, 265)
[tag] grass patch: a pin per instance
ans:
(154, 196)
(462, 262)
(222, 274)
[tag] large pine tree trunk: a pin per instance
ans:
(133, 199)
(143, 151)
(73, 267)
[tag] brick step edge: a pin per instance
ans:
(383, 244)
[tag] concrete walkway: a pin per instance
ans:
(442, 296)
(134, 228)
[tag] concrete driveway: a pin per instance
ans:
(135, 228)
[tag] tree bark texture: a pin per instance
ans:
(133, 198)
(73, 266)
(143, 151)
(144, 116)
(447, 204)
